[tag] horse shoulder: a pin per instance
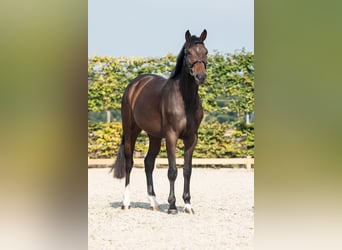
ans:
(173, 109)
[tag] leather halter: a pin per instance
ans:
(195, 62)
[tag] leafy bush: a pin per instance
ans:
(214, 141)
(230, 81)
(227, 97)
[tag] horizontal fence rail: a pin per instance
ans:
(248, 161)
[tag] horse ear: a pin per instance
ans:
(187, 35)
(203, 35)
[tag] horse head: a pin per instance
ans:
(195, 56)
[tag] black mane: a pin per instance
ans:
(180, 59)
(179, 64)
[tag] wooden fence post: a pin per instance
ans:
(108, 116)
(249, 162)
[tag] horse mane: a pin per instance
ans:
(180, 58)
(179, 63)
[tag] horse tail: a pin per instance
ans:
(119, 165)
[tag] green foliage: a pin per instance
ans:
(108, 77)
(230, 82)
(214, 141)
(227, 96)
(103, 139)
(229, 86)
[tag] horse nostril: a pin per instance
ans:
(201, 77)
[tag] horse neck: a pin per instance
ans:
(189, 90)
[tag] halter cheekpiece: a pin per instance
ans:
(195, 62)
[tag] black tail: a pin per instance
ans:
(119, 165)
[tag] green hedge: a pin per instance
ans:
(227, 96)
(229, 77)
(214, 141)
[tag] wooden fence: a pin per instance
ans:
(139, 162)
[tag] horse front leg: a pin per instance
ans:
(171, 141)
(153, 151)
(189, 146)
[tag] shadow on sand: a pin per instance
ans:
(145, 205)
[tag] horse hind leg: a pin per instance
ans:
(121, 165)
(129, 143)
(153, 150)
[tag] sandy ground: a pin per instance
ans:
(223, 200)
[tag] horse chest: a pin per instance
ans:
(182, 121)
(181, 110)
(175, 117)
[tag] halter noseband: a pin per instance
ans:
(195, 62)
(198, 61)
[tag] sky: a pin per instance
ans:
(153, 28)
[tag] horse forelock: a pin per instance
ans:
(194, 40)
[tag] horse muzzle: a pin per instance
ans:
(200, 78)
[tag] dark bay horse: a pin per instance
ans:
(164, 108)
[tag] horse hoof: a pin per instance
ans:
(123, 207)
(172, 211)
(155, 208)
(188, 209)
